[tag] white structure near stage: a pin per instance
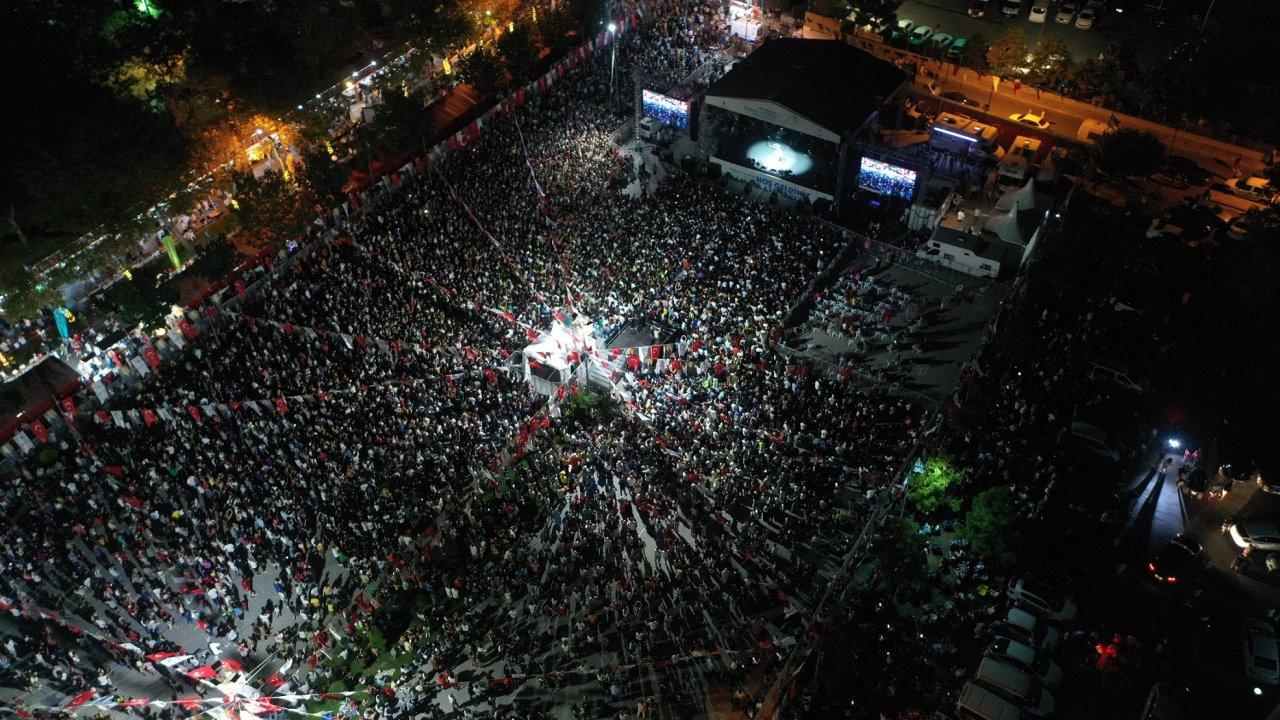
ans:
(550, 360)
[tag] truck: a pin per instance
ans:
(963, 135)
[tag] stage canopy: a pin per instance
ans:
(822, 88)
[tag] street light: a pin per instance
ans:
(613, 54)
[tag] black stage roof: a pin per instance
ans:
(829, 82)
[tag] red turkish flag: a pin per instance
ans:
(282, 405)
(40, 431)
(239, 287)
(188, 330)
(68, 405)
(82, 698)
(148, 417)
(152, 357)
(194, 412)
(490, 375)
(204, 672)
(533, 336)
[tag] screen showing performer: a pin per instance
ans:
(886, 179)
(666, 110)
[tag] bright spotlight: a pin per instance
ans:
(1175, 443)
(613, 27)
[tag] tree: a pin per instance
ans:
(1106, 76)
(520, 51)
(989, 526)
(270, 208)
(1050, 64)
(1129, 152)
(558, 31)
(482, 68)
(902, 554)
(933, 487)
(325, 176)
(1009, 52)
(975, 53)
(398, 125)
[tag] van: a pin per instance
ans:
(1122, 374)
(1018, 160)
(978, 703)
(1014, 685)
(647, 128)
(1091, 130)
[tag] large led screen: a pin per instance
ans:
(666, 110)
(886, 179)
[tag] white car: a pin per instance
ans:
(1087, 16)
(1261, 658)
(1027, 629)
(1066, 13)
(1039, 12)
(1024, 656)
(1035, 120)
(1260, 535)
(1042, 600)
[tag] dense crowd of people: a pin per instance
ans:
(356, 438)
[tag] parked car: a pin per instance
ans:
(1041, 600)
(1011, 8)
(1027, 629)
(1179, 562)
(1185, 171)
(979, 703)
(1024, 656)
(1015, 685)
(1035, 120)
(1039, 11)
(1261, 656)
(942, 41)
(1253, 188)
(1087, 16)
(1066, 13)
(1091, 442)
(955, 53)
(1121, 374)
(1258, 535)
(901, 29)
(978, 8)
(920, 36)
(955, 96)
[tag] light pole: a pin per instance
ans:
(613, 53)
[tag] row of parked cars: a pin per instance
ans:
(1082, 14)
(1017, 676)
(922, 39)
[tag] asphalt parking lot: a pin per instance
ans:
(950, 16)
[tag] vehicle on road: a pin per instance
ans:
(1090, 442)
(1066, 13)
(1185, 170)
(1035, 120)
(1230, 196)
(1011, 8)
(979, 703)
(1039, 11)
(1015, 685)
(1253, 188)
(955, 53)
(1258, 535)
(1088, 15)
(1041, 600)
(1261, 656)
(1048, 672)
(978, 8)
(1178, 562)
(1091, 130)
(1121, 374)
(1027, 629)
(920, 36)
(956, 96)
